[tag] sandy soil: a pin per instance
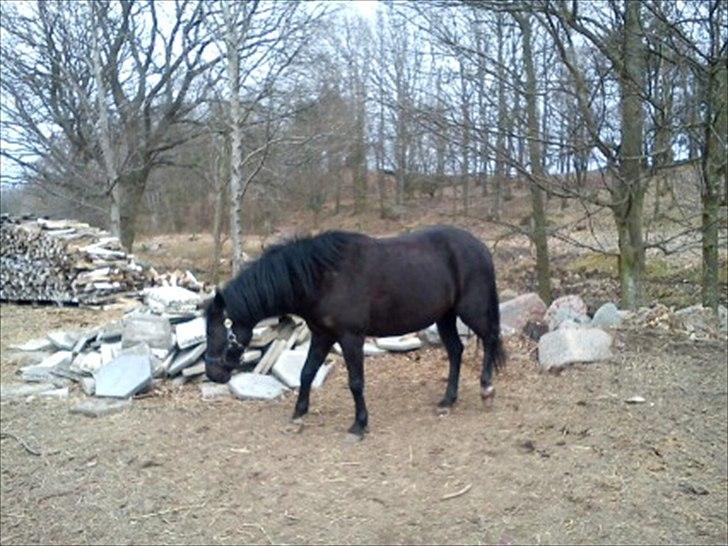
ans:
(559, 459)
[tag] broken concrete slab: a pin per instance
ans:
(125, 376)
(64, 339)
(193, 371)
(58, 358)
(171, 299)
(186, 358)
(37, 374)
(516, 312)
(253, 386)
(110, 332)
(251, 356)
(399, 343)
(87, 362)
(38, 344)
(567, 346)
(109, 351)
(262, 336)
(463, 329)
(288, 369)
(98, 407)
(430, 335)
(88, 385)
(150, 329)
(10, 391)
(191, 333)
(212, 391)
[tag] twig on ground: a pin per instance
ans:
(21, 442)
(457, 493)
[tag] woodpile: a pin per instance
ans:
(69, 262)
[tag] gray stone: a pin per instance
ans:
(171, 299)
(63, 339)
(288, 369)
(515, 313)
(191, 333)
(110, 332)
(399, 343)
(185, 358)
(635, 400)
(161, 367)
(87, 362)
(571, 323)
(125, 376)
(38, 344)
(211, 391)
(567, 346)
(98, 407)
(37, 374)
(564, 308)
(607, 316)
(192, 371)
(88, 385)
(150, 329)
(10, 391)
(568, 316)
(253, 386)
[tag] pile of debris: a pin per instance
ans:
(64, 261)
(165, 339)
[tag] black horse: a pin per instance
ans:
(347, 286)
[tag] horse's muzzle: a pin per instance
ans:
(217, 373)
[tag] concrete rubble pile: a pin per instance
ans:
(69, 262)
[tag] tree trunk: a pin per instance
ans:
(630, 188)
(232, 42)
(539, 235)
(125, 198)
(500, 145)
(714, 165)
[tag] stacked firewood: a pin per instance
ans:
(65, 261)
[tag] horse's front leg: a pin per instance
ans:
(320, 347)
(353, 349)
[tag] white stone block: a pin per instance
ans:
(191, 333)
(253, 386)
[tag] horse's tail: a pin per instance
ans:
(493, 343)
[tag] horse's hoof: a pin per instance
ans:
(352, 438)
(295, 426)
(442, 410)
(487, 394)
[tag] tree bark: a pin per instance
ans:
(126, 195)
(714, 163)
(539, 235)
(629, 190)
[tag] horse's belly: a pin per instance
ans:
(408, 308)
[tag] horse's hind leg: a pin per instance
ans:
(447, 329)
(320, 347)
(489, 334)
(353, 348)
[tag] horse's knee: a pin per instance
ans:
(356, 385)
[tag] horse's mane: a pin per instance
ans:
(285, 273)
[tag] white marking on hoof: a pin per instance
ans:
(487, 392)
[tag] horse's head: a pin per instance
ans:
(226, 341)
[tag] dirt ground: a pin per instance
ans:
(559, 458)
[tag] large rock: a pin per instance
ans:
(566, 346)
(570, 307)
(109, 351)
(430, 335)
(516, 312)
(191, 333)
(607, 316)
(399, 343)
(253, 386)
(185, 359)
(150, 329)
(98, 407)
(125, 376)
(288, 369)
(171, 299)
